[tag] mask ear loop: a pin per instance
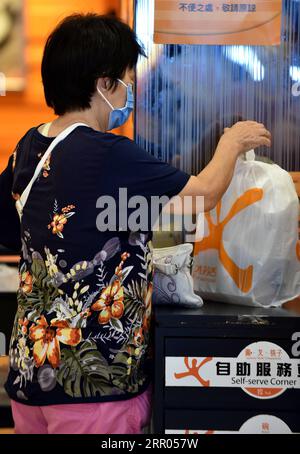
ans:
(100, 93)
(122, 82)
(126, 85)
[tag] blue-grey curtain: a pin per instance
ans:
(187, 94)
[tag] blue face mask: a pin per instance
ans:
(118, 117)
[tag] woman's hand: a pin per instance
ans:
(246, 135)
(215, 178)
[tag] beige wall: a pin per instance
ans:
(19, 111)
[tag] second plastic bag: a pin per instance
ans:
(249, 253)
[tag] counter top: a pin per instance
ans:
(215, 313)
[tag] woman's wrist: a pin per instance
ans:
(231, 148)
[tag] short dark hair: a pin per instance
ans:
(80, 49)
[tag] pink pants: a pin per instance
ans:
(118, 417)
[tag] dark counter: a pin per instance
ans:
(220, 330)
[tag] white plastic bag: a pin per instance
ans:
(249, 253)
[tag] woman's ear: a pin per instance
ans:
(103, 83)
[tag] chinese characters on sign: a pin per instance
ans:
(263, 370)
(209, 7)
(215, 22)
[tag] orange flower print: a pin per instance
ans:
(138, 337)
(148, 305)
(110, 304)
(26, 282)
(23, 325)
(47, 340)
(46, 167)
(118, 270)
(59, 220)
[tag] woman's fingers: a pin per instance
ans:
(266, 133)
(248, 134)
(263, 141)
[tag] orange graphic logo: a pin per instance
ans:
(193, 370)
(241, 277)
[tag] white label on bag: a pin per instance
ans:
(263, 370)
(259, 424)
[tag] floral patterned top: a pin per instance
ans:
(82, 331)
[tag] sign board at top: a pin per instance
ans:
(237, 22)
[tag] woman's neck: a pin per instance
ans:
(84, 116)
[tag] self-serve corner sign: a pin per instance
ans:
(257, 22)
(262, 369)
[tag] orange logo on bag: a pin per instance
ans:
(241, 277)
(193, 370)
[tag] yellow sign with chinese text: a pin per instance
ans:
(237, 22)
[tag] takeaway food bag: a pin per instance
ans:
(250, 253)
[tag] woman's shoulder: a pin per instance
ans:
(110, 138)
(23, 147)
(117, 143)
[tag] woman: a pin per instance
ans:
(80, 353)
